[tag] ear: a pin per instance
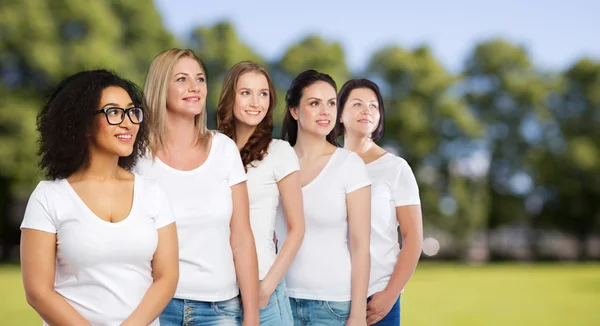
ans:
(294, 113)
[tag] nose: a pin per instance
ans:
(254, 101)
(126, 123)
(194, 87)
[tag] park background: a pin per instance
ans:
(494, 104)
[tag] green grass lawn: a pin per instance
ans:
(444, 294)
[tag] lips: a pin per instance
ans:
(323, 123)
(192, 99)
(252, 113)
(365, 121)
(124, 137)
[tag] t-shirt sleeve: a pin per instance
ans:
(406, 190)
(165, 215)
(37, 213)
(286, 160)
(237, 173)
(356, 173)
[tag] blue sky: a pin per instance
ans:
(555, 33)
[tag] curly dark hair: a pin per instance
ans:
(66, 121)
(258, 143)
(289, 127)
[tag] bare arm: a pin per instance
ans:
(165, 271)
(359, 224)
(244, 253)
(411, 227)
(291, 196)
(38, 265)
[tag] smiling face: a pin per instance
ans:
(316, 112)
(186, 93)
(251, 99)
(116, 139)
(361, 112)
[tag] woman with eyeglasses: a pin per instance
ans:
(99, 243)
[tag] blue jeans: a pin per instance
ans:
(393, 317)
(180, 312)
(319, 313)
(278, 312)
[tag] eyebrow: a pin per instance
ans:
(358, 99)
(183, 73)
(115, 104)
(318, 99)
(248, 88)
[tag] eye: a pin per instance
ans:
(264, 94)
(113, 111)
(357, 104)
(331, 103)
(314, 103)
(372, 106)
(245, 93)
(201, 79)
(181, 79)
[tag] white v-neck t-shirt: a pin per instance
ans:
(263, 192)
(203, 204)
(103, 269)
(393, 185)
(322, 267)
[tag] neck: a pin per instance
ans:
(180, 131)
(102, 167)
(242, 134)
(357, 143)
(310, 145)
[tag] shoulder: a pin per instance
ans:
(149, 187)
(349, 157)
(280, 146)
(49, 192)
(219, 140)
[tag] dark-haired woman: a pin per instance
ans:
(395, 200)
(99, 243)
(245, 114)
(328, 280)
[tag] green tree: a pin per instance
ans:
(42, 42)
(569, 168)
(509, 97)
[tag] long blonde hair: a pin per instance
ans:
(155, 95)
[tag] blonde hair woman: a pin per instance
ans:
(203, 175)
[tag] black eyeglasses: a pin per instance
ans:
(115, 116)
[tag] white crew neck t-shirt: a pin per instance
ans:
(203, 204)
(280, 161)
(393, 185)
(103, 269)
(322, 268)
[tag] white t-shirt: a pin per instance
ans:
(202, 202)
(103, 269)
(322, 268)
(280, 161)
(393, 185)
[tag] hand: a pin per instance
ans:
(356, 321)
(380, 305)
(265, 290)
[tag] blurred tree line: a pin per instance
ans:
(500, 145)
